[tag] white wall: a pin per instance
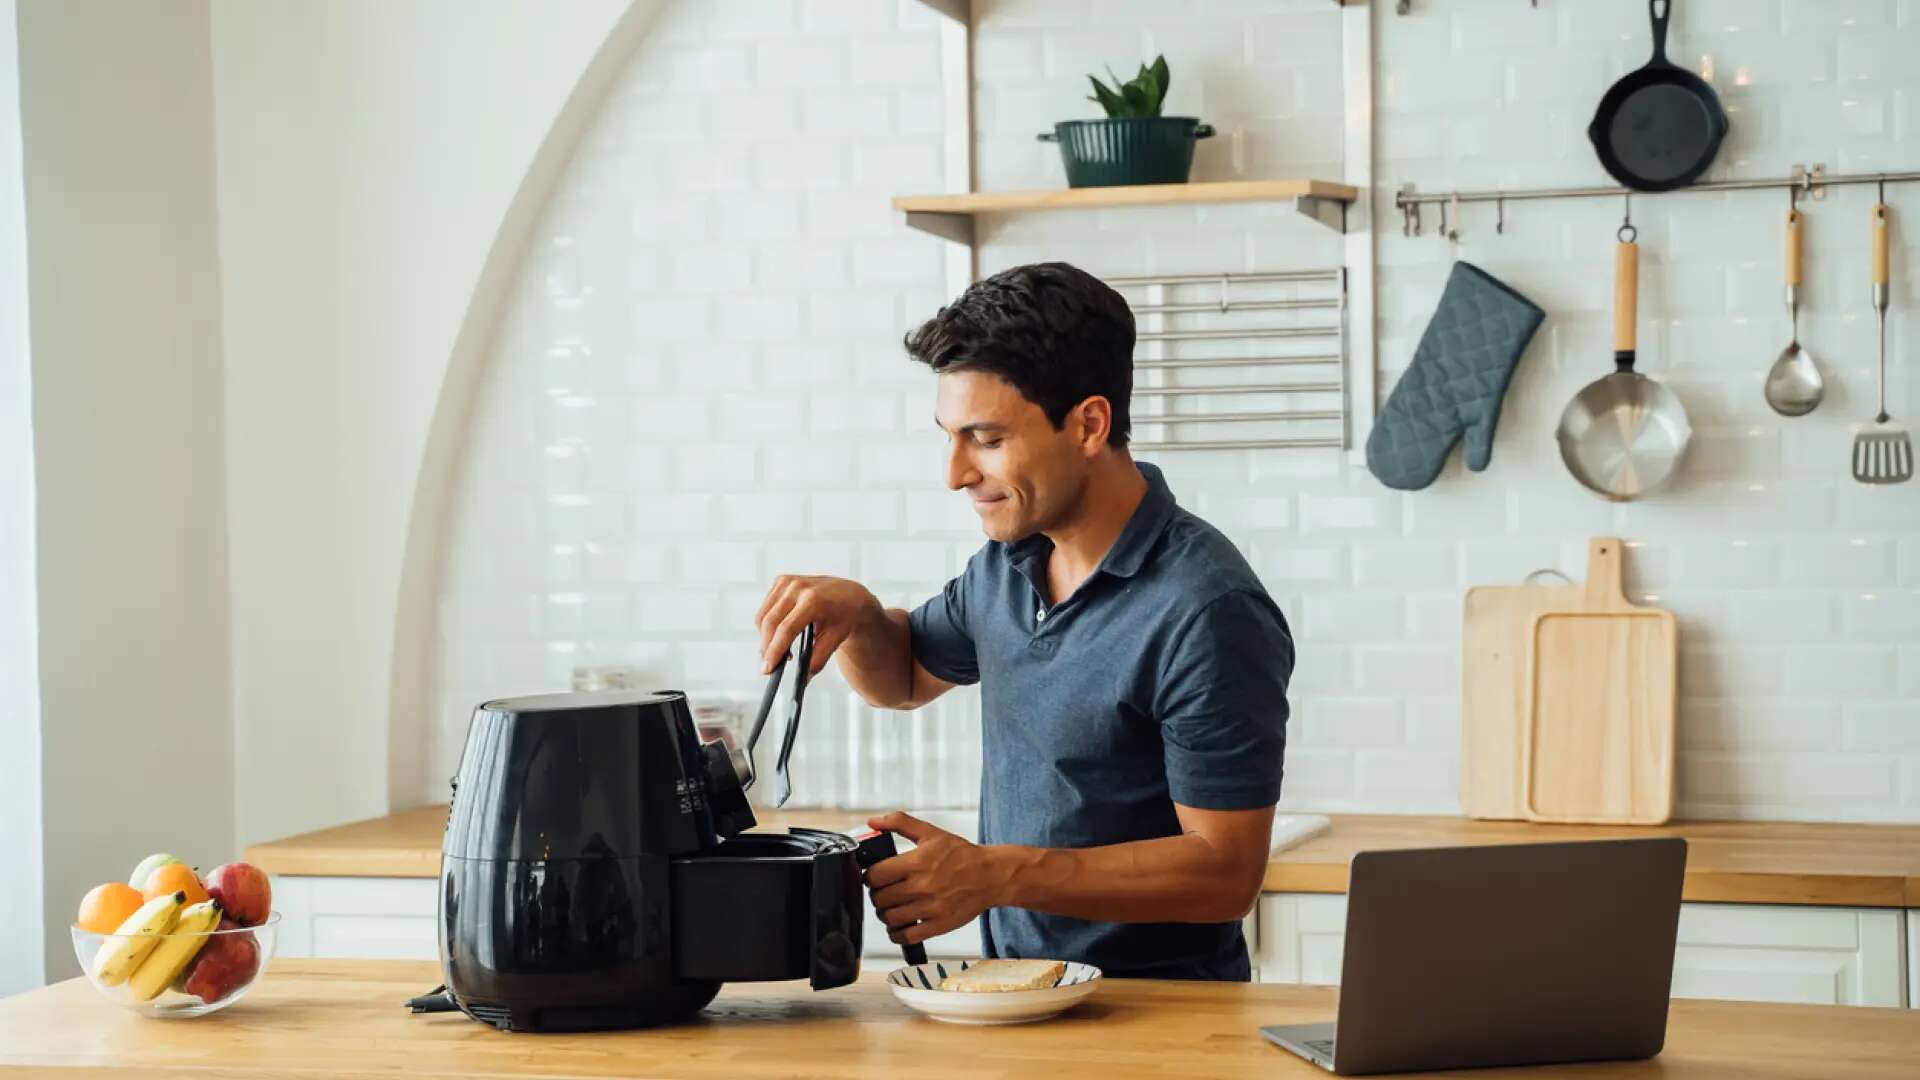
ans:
(371, 156)
(698, 384)
(22, 906)
(117, 137)
(704, 328)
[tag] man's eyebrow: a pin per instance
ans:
(969, 429)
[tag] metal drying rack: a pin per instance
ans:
(1262, 426)
(1805, 182)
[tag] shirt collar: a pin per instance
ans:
(1129, 552)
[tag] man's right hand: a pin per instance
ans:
(835, 606)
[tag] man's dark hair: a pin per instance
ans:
(1057, 333)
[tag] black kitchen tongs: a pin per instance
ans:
(782, 786)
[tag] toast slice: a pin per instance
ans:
(994, 976)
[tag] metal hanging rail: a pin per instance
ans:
(1236, 335)
(1235, 305)
(1170, 300)
(1243, 388)
(1237, 361)
(1809, 182)
(1229, 278)
(1329, 441)
(1240, 418)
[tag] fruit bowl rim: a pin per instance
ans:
(270, 922)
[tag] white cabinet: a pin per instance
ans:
(1743, 952)
(357, 917)
(1299, 937)
(1801, 955)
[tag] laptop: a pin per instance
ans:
(1515, 954)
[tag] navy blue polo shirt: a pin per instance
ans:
(1162, 679)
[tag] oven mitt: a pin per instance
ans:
(1459, 374)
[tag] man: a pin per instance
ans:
(1133, 670)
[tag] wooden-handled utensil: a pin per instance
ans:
(1794, 386)
(1883, 453)
(1624, 434)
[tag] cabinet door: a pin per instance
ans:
(358, 918)
(1300, 938)
(1737, 952)
(1782, 953)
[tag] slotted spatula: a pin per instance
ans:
(1883, 453)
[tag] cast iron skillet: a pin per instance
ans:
(1658, 128)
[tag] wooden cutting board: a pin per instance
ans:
(1494, 643)
(1598, 733)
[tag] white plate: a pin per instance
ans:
(914, 984)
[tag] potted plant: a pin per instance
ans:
(1134, 144)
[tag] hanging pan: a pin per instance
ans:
(1623, 435)
(1659, 127)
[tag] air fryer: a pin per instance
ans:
(596, 870)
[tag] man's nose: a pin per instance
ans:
(960, 470)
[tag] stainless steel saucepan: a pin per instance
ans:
(1624, 434)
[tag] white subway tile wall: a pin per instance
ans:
(698, 383)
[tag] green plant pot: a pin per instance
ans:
(1127, 150)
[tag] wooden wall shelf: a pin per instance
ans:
(951, 216)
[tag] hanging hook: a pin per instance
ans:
(1627, 234)
(1224, 282)
(1443, 221)
(1793, 197)
(1455, 234)
(1500, 216)
(1883, 188)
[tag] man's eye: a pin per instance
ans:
(988, 444)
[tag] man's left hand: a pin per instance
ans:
(944, 883)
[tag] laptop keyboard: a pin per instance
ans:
(1319, 1046)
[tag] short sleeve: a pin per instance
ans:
(1222, 704)
(941, 638)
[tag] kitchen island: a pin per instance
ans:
(345, 1019)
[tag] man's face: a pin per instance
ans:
(1022, 475)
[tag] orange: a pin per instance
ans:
(175, 877)
(107, 906)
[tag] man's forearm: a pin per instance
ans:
(877, 659)
(1172, 879)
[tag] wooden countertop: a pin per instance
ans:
(344, 1019)
(1746, 862)
(1735, 862)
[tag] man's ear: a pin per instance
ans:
(1094, 420)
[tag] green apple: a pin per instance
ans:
(146, 868)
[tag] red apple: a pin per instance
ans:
(243, 890)
(225, 964)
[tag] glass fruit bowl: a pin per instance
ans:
(221, 965)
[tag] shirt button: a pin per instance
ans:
(1040, 615)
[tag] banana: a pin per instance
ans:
(135, 938)
(169, 958)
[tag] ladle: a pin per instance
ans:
(1794, 385)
